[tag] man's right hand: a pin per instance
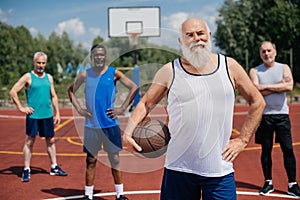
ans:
(127, 139)
(85, 112)
(26, 110)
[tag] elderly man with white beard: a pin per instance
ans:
(200, 87)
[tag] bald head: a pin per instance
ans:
(194, 24)
(194, 29)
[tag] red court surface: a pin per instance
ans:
(142, 177)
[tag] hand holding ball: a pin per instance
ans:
(153, 136)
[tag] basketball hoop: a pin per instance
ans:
(133, 38)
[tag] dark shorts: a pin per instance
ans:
(109, 138)
(45, 127)
(179, 185)
(280, 124)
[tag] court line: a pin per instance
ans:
(158, 192)
(60, 154)
(59, 126)
(69, 139)
(121, 154)
(81, 117)
(24, 117)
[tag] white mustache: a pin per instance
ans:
(200, 43)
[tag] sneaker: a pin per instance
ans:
(122, 197)
(266, 189)
(57, 171)
(26, 175)
(294, 190)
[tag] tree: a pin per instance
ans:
(244, 24)
(17, 47)
(97, 40)
(24, 48)
(7, 52)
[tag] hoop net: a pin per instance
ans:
(133, 38)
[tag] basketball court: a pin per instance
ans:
(142, 177)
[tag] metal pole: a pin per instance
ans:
(135, 62)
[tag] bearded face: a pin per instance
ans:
(197, 53)
(268, 53)
(39, 64)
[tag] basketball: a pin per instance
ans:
(153, 136)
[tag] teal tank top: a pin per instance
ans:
(39, 97)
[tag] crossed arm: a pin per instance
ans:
(285, 85)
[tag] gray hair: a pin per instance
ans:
(264, 42)
(39, 54)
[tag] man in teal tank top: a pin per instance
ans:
(40, 96)
(101, 128)
(273, 80)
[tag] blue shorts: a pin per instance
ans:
(109, 138)
(45, 127)
(180, 185)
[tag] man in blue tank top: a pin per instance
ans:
(40, 96)
(273, 80)
(101, 128)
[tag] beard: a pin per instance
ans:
(199, 56)
(40, 70)
(268, 61)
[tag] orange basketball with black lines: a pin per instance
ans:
(153, 136)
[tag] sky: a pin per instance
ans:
(84, 20)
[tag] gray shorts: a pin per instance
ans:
(107, 138)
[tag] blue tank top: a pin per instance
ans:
(276, 103)
(100, 94)
(39, 98)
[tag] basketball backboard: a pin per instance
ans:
(122, 21)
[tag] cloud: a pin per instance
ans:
(74, 27)
(87, 39)
(33, 31)
(174, 20)
(94, 31)
(171, 24)
(77, 31)
(3, 17)
(208, 14)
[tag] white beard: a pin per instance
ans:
(39, 70)
(199, 56)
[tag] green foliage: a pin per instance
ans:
(17, 47)
(97, 40)
(244, 24)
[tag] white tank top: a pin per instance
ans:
(200, 109)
